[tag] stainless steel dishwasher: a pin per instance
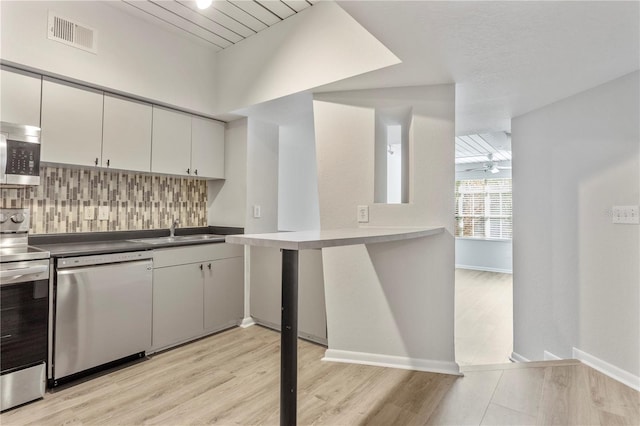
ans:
(102, 311)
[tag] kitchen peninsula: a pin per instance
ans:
(290, 243)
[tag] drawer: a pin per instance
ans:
(195, 253)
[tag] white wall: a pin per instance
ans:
(390, 301)
(134, 56)
(283, 167)
(227, 199)
(317, 46)
(484, 255)
(262, 176)
(262, 190)
(577, 275)
(298, 207)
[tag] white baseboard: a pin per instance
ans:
(391, 361)
(516, 357)
(607, 369)
(247, 322)
(484, 268)
(548, 356)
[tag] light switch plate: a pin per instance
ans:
(103, 213)
(88, 213)
(257, 213)
(363, 214)
(625, 215)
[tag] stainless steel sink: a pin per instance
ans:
(198, 237)
(179, 238)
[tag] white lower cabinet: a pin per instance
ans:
(197, 290)
(223, 293)
(177, 305)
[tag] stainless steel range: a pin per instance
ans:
(24, 312)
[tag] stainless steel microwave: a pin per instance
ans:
(19, 154)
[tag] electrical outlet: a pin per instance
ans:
(625, 215)
(363, 214)
(257, 212)
(88, 213)
(103, 213)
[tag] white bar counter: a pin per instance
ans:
(291, 243)
(308, 240)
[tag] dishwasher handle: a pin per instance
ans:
(103, 259)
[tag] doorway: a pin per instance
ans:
(483, 279)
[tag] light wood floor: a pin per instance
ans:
(233, 378)
(484, 317)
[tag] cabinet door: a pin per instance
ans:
(171, 142)
(20, 96)
(207, 148)
(71, 124)
(177, 304)
(126, 134)
(223, 293)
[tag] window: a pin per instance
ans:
(391, 167)
(394, 164)
(483, 208)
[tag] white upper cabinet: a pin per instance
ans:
(171, 151)
(126, 134)
(207, 148)
(85, 127)
(71, 124)
(187, 145)
(20, 96)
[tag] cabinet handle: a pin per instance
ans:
(96, 162)
(188, 171)
(108, 161)
(209, 266)
(201, 266)
(196, 172)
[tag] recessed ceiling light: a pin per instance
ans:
(203, 4)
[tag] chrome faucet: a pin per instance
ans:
(174, 225)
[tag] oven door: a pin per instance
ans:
(24, 308)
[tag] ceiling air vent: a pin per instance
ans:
(71, 33)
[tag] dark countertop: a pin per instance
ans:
(87, 243)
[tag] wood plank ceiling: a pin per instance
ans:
(475, 148)
(225, 22)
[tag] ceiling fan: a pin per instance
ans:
(490, 166)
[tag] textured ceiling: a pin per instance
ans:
(506, 58)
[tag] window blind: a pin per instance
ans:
(483, 208)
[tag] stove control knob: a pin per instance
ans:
(17, 218)
(3, 218)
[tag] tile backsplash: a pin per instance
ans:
(135, 201)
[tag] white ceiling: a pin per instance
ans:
(506, 58)
(224, 23)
